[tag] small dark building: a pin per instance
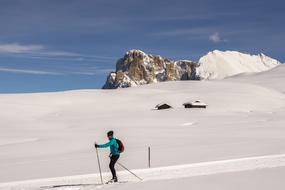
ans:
(163, 106)
(196, 104)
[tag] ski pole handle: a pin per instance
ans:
(96, 145)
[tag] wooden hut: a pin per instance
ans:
(162, 106)
(195, 104)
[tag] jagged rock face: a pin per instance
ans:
(137, 68)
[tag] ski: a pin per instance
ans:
(112, 182)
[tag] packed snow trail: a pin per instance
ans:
(161, 173)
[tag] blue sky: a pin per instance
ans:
(54, 45)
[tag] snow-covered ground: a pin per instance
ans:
(48, 135)
(271, 79)
(160, 173)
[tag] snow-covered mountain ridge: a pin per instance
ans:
(219, 64)
(138, 68)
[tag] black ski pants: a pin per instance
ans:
(113, 160)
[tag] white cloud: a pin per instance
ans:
(200, 33)
(94, 71)
(216, 38)
(59, 54)
(18, 48)
(183, 32)
(43, 72)
(27, 71)
(42, 52)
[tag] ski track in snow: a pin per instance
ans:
(161, 173)
(4, 142)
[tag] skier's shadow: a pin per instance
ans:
(70, 185)
(77, 185)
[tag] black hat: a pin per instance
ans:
(110, 133)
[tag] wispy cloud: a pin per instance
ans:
(195, 33)
(183, 32)
(216, 38)
(91, 71)
(59, 54)
(201, 33)
(18, 48)
(33, 49)
(83, 71)
(27, 71)
(36, 51)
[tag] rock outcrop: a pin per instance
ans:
(138, 68)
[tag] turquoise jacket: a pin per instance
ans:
(114, 146)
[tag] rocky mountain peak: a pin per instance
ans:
(137, 68)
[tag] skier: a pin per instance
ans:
(114, 155)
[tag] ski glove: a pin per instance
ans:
(96, 146)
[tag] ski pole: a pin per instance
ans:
(129, 171)
(99, 166)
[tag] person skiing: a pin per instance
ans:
(114, 154)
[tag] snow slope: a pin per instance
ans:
(48, 135)
(219, 64)
(161, 173)
(270, 79)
